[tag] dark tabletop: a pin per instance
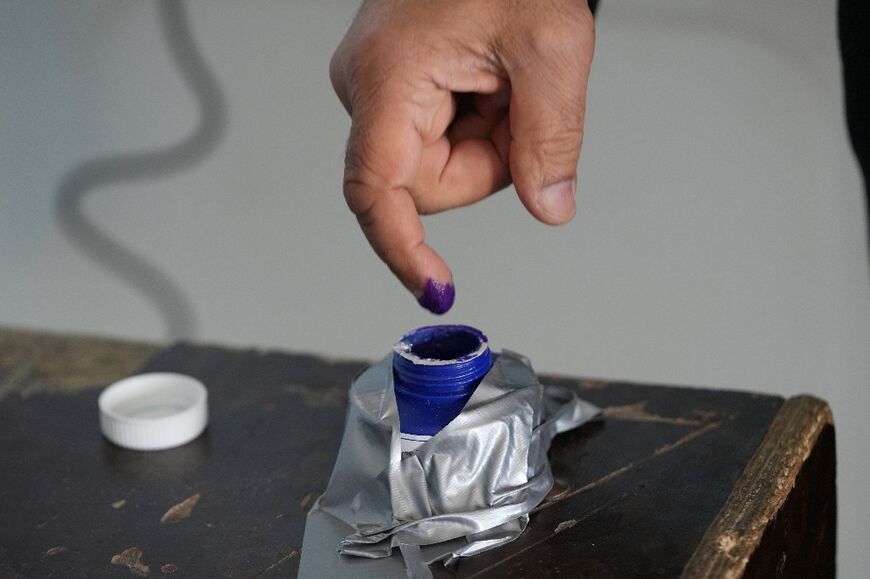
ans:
(639, 487)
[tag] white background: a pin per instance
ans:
(719, 239)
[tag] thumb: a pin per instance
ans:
(548, 104)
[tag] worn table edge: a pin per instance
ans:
(760, 491)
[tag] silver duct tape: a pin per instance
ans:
(468, 489)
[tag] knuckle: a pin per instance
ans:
(368, 56)
(559, 147)
(336, 73)
(357, 183)
(359, 200)
(370, 76)
(364, 161)
(358, 204)
(366, 176)
(565, 32)
(555, 48)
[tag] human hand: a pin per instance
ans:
(450, 101)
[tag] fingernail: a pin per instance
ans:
(557, 200)
(437, 297)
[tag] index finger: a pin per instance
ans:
(383, 158)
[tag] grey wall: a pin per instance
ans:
(719, 239)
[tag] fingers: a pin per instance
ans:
(548, 78)
(383, 158)
(394, 230)
(392, 174)
(469, 162)
(414, 150)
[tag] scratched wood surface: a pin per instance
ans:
(640, 489)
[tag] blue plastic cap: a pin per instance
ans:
(436, 370)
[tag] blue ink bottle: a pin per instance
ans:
(435, 371)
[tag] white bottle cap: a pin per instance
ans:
(153, 411)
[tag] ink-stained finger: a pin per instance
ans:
(383, 158)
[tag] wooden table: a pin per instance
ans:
(672, 482)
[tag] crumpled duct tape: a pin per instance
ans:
(468, 489)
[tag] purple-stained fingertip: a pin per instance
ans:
(437, 297)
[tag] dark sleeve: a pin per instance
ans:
(854, 30)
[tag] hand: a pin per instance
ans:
(450, 100)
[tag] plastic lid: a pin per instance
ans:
(154, 411)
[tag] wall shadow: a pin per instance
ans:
(157, 287)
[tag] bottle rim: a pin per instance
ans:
(421, 347)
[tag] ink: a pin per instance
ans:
(437, 297)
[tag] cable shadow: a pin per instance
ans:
(157, 287)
